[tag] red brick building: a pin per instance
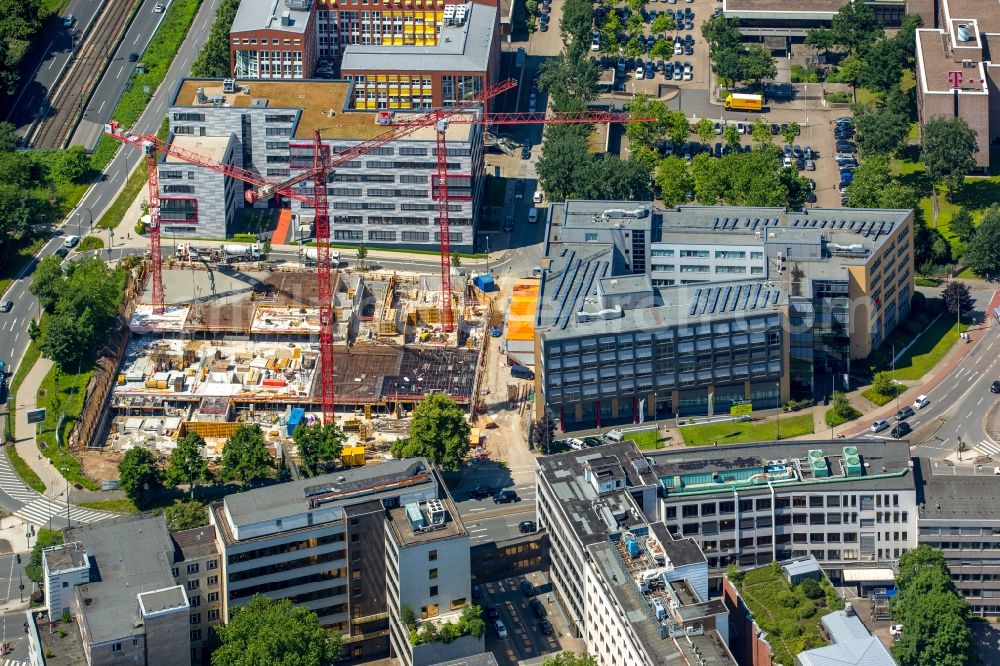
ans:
(273, 39)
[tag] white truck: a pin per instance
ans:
(232, 253)
(310, 255)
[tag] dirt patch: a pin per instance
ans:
(100, 465)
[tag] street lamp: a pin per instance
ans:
(64, 471)
(487, 254)
(777, 398)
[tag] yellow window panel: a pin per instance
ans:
(405, 105)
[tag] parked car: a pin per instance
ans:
(592, 441)
(526, 151)
(810, 197)
(7, 306)
(688, 71)
(545, 626)
(879, 425)
(718, 129)
(501, 630)
(62, 252)
(775, 129)
(527, 589)
(595, 41)
(526, 526)
(506, 497)
(810, 165)
(688, 49)
(639, 73)
(649, 69)
(901, 430)
(480, 492)
(538, 609)
(995, 387)
(796, 151)
(807, 153)
(492, 613)
(920, 402)
(843, 156)
(904, 413)
(846, 147)
(741, 128)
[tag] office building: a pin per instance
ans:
(635, 594)
(273, 39)
(851, 504)
(456, 68)
(644, 313)
(957, 72)
(386, 198)
(115, 579)
(323, 543)
(792, 20)
(196, 568)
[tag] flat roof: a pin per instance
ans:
(131, 555)
(212, 147)
(406, 535)
(161, 601)
(934, 63)
(65, 556)
(269, 15)
(284, 499)
(710, 470)
(950, 498)
(783, 6)
(314, 99)
(460, 48)
(853, 645)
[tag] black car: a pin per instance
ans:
(526, 152)
(62, 252)
(538, 608)
(810, 197)
(545, 627)
(505, 497)
(480, 492)
(775, 129)
(544, 26)
(904, 413)
(592, 441)
(527, 589)
(901, 430)
(492, 613)
(477, 592)
(995, 387)
(526, 526)
(133, 57)
(846, 147)
(718, 150)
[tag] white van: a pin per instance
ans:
(538, 197)
(532, 216)
(614, 437)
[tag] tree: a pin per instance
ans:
(213, 61)
(721, 31)
(662, 23)
(47, 281)
(916, 561)
(570, 659)
(811, 588)
(319, 444)
(874, 186)
(185, 515)
(634, 25)
(634, 48)
(705, 130)
(983, 252)
(855, 27)
(72, 165)
(948, 150)
(882, 383)
(843, 410)
(757, 64)
(852, 68)
(961, 225)
(138, 475)
(439, 432)
(245, 457)
(661, 48)
(186, 464)
(577, 20)
(674, 180)
(760, 133)
(645, 135)
(45, 539)
(542, 432)
(727, 64)
(883, 66)
(362, 253)
(731, 135)
(8, 138)
(957, 299)
(564, 166)
(570, 79)
(820, 39)
(881, 131)
(279, 633)
(790, 132)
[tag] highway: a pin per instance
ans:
(56, 56)
(117, 75)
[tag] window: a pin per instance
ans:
(213, 580)
(193, 584)
(193, 568)
(195, 601)
(381, 235)
(65, 584)
(355, 538)
(116, 647)
(196, 634)
(195, 618)
(212, 597)
(434, 590)
(212, 564)
(590, 237)
(432, 556)
(213, 615)
(701, 254)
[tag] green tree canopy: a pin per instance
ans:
(46, 538)
(855, 27)
(186, 464)
(760, 133)
(790, 132)
(883, 66)
(948, 150)
(957, 299)
(577, 21)
(570, 81)
(745, 179)
(731, 135)
(185, 515)
(705, 130)
(820, 39)
(961, 225)
(662, 23)
(645, 135)
(881, 130)
(439, 432)
(245, 457)
(852, 68)
(757, 64)
(319, 444)
(47, 281)
(213, 61)
(569, 658)
(72, 165)
(138, 475)
(277, 633)
(983, 252)
(874, 186)
(674, 180)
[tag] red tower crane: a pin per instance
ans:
(323, 164)
(532, 118)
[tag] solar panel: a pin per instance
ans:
(694, 302)
(715, 223)
(725, 222)
(744, 297)
(841, 225)
(889, 229)
(715, 300)
(756, 223)
(703, 301)
(795, 223)
(725, 299)
(774, 298)
(746, 223)
(754, 296)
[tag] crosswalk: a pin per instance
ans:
(13, 662)
(38, 509)
(989, 448)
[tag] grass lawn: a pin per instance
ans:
(69, 399)
(21, 257)
(741, 432)
(90, 243)
(646, 440)
(927, 282)
(791, 619)
(881, 398)
(833, 419)
(116, 505)
(933, 343)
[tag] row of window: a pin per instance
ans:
(263, 41)
(704, 254)
(865, 502)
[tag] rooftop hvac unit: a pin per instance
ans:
(963, 32)
(229, 85)
(415, 517)
(435, 511)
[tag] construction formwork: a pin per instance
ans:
(521, 322)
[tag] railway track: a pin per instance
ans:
(67, 102)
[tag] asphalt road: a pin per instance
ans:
(12, 630)
(57, 54)
(116, 76)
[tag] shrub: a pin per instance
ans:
(140, 228)
(811, 588)
(245, 238)
(789, 629)
(838, 98)
(787, 600)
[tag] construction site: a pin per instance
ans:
(240, 344)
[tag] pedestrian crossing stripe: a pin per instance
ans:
(12, 485)
(989, 448)
(41, 510)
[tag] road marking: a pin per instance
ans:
(122, 69)
(969, 414)
(991, 345)
(980, 401)
(137, 38)
(51, 62)
(101, 108)
(989, 447)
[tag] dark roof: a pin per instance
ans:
(946, 497)
(194, 543)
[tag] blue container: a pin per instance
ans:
(632, 546)
(294, 419)
(484, 283)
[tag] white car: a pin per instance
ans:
(640, 74)
(595, 42)
(532, 102)
(879, 425)
(688, 73)
(538, 197)
(896, 630)
(920, 402)
(71, 241)
(575, 444)
(678, 48)
(501, 630)
(158, 8)
(741, 128)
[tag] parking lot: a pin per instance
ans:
(525, 638)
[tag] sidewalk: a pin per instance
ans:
(24, 432)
